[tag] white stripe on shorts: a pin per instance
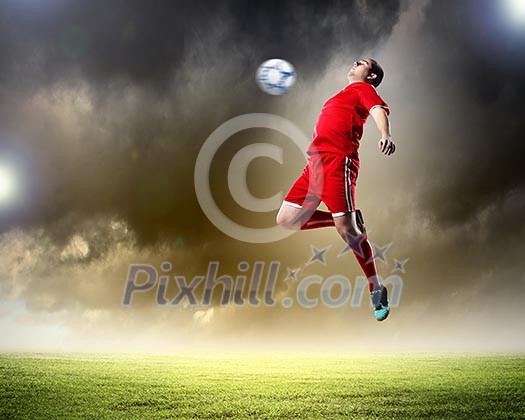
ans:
(349, 204)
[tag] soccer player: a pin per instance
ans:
(332, 167)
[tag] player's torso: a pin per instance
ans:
(339, 127)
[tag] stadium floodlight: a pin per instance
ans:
(516, 11)
(6, 184)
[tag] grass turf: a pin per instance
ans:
(299, 386)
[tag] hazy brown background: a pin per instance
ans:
(105, 105)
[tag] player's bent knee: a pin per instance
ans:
(344, 232)
(345, 227)
(287, 219)
(287, 223)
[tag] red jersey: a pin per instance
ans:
(339, 127)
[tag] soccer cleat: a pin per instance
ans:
(380, 303)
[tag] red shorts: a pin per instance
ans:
(327, 177)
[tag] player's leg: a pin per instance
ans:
(318, 219)
(295, 217)
(339, 196)
(289, 215)
(353, 232)
(355, 236)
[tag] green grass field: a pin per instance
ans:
(295, 386)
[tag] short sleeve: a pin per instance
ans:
(370, 99)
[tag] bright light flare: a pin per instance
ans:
(516, 11)
(7, 183)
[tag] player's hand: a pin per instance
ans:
(387, 146)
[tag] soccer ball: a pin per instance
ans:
(275, 76)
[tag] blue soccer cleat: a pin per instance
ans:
(380, 303)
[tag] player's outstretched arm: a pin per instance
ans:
(386, 145)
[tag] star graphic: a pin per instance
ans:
(318, 255)
(399, 265)
(379, 252)
(292, 274)
(353, 243)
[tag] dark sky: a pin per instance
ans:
(104, 106)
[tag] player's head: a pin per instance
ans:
(366, 70)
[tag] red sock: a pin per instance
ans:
(367, 263)
(318, 219)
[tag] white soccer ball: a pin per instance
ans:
(275, 76)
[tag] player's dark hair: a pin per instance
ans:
(378, 71)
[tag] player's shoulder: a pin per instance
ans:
(366, 90)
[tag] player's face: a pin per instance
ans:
(360, 70)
